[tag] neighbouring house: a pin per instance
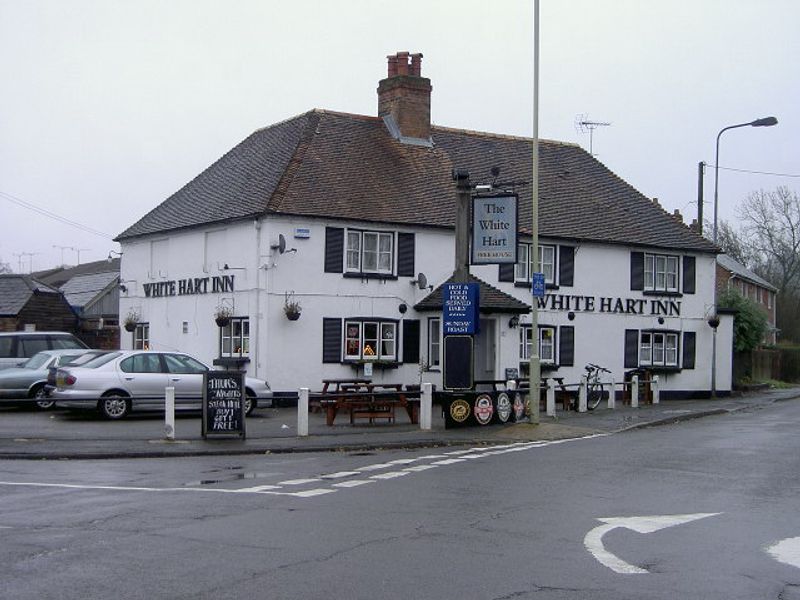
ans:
(92, 290)
(27, 304)
(351, 218)
(731, 274)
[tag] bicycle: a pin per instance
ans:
(594, 388)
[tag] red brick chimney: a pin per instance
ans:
(405, 96)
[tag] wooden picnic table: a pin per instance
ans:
(364, 399)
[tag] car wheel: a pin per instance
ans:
(43, 402)
(114, 406)
(250, 403)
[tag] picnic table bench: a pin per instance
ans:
(363, 399)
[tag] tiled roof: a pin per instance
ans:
(16, 290)
(490, 299)
(743, 272)
(82, 289)
(334, 165)
(59, 276)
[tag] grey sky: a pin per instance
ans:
(108, 107)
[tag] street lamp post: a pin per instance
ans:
(763, 122)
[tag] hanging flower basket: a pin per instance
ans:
(222, 315)
(291, 307)
(131, 321)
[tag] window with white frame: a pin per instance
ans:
(141, 336)
(370, 340)
(234, 338)
(524, 269)
(370, 251)
(660, 273)
(434, 342)
(547, 344)
(658, 349)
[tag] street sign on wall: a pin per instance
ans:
(460, 308)
(494, 229)
(538, 285)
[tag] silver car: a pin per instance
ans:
(121, 382)
(27, 383)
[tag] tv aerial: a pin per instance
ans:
(584, 124)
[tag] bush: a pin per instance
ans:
(750, 323)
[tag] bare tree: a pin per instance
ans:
(772, 234)
(5, 267)
(731, 241)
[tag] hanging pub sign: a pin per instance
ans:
(494, 229)
(460, 308)
(223, 403)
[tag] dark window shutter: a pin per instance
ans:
(566, 265)
(331, 340)
(688, 275)
(631, 348)
(506, 272)
(411, 341)
(405, 254)
(637, 270)
(334, 250)
(566, 347)
(689, 343)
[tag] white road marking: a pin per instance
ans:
(786, 551)
(257, 488)
(376, 467)
(308, 493)
(340, 474)
(123, 488)
(418, 468)
(300, 481)
(449, 461)
(402, 461)
(353, 483)
(594, 539)
(390, 475)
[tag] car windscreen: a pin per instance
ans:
(98, 361)
(37, 361)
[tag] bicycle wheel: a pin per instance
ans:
(594, 394)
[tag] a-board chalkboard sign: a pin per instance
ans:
(223, 403)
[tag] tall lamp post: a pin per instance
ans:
(765, 122)
(714, 320)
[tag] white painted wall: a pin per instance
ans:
(289, 353)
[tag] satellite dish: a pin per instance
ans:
(421, 281)
(281, 243)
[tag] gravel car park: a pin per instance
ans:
(117, 383)
(27, 383)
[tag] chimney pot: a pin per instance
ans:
(402, 63)
(392, 65)
(416, 65)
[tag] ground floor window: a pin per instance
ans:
(658, 349)
(234, 338)
(141, 336)
(434, 343)
(370, 340)
(547, 345)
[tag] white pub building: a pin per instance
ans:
(324, 242)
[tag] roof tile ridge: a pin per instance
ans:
(502, 136)
(298, 156)
(338, 113)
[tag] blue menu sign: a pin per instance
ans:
(460, 308)
(538, 285)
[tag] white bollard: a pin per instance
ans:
(551, 398)
(582, 395)
(426, 406)
(612, 395)
(169, 413)
(656, 391)
(635, 391)
(302, 413)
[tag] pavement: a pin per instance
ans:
(62, 435)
